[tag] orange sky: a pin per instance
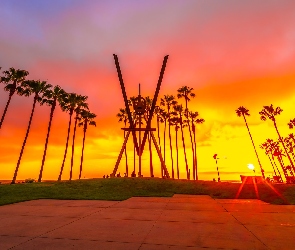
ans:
(232, 53)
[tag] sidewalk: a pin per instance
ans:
(181, 222)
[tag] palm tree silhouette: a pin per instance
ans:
(193, 119)
(289, 145)
(164, 116)
(187, 93)
(86, 119)
(68, 104)
(274, 149)
(79, 106)
(149, 102)
(242, 111)
(12, 79)
(50, 97)
(179, 110)
(268, 151)
(158, 112)
(176, 122)
(169, 101)
(123, 117)
(269, 112)
(28, 88)
(291, 124)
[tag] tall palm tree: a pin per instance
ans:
(242, 111)
(80, 105)
(158, 112)
(290, 146)
(149, 102)
(175, 121)
(123, 117)
(169, 101)
(50, 97)
(268, 152)
(274, 149)
(179, 110)
(12, 79)
(187, 93)
(68, 104)
(193, 119)
(86, 119)
(28, 88)
(164, 116)
(269, 112)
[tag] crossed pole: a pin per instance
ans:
(139, 146)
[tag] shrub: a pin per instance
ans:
(29, 180)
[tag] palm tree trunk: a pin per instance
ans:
(46, 142)
(261, 169)
(83, 144)
(165, 142)
(73, 148)
(5, 110)
(276, 166)
(195, 147)
(183, 143)
(158, 125)
(177, 162)
(125, 151)
(25, 141)
(66, 150)
(151, 155)
(171, 152)
(281, 140)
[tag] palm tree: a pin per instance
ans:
(123, 117)
(12, 78)
(68, 104)
(179, 110)
(187, 93)
(175, 122)
(169, 101)
(291, 124)
(290, 146)
(274, 149)
(242, 111)
(80, 105)
(268, 152)
(50, 97)
(86, 119)
(158, 112)
(193, 118)
(149, 102)
(28, 88)
(269, 112)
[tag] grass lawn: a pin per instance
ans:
(124, 188)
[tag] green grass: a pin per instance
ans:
(124, 188)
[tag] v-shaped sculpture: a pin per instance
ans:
(139, 108)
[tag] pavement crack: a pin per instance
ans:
(245, 227)
(155, 222)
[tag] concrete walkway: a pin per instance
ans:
(181, 222)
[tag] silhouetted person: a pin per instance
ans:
(107, 176)
(104, 176)
(133, 174)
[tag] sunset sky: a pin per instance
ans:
(233, 53)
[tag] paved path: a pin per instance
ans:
(181, 222)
